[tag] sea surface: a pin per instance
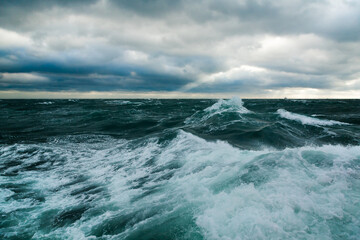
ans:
(180, 169)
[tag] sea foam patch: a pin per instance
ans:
(127, 189)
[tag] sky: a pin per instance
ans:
(185, 48)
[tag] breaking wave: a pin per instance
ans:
(307, 120)
(118, 102)
(234, 104)
(222, 107)
(46, 103)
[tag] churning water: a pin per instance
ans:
(180, 169)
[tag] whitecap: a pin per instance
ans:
(233, 105)
(118, 102)
(307, 120)
(46, 103)
(299, 100)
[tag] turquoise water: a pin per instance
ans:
(180, 169)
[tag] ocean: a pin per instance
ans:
(180, 169)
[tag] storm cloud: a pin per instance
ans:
(233, 46)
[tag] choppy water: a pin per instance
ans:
(180, 169)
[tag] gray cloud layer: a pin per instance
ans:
(202, 46)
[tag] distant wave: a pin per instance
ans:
(118, 102)
(307, 120)
(46, 103)
(234, 104)
(299, 100)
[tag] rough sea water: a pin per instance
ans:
(180, 169)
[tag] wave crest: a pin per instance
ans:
(235, 104)
(307, 120)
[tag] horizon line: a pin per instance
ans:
(287, 94)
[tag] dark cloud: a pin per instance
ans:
(17, 14)
(195, 46)
(101, 77)
(151, 8)
(95, 82)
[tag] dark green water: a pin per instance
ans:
(180, 169)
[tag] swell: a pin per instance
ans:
(248, 124)
(231, 121)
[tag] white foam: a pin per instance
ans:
(233, 105)
(297, 196)
(118, 102)
(308, 120)
(230, 193)
(299, 100)
(46, 103)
